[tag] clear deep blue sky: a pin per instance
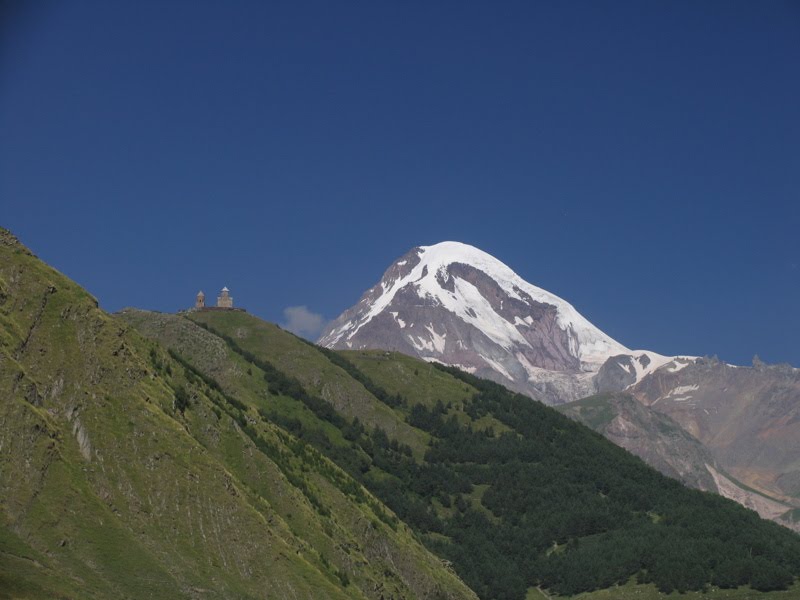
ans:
(639, 159)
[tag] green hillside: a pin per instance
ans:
(125, 473)
(513, 493)
(213, 455)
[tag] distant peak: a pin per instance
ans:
(452, 246)
(425, 276)
(443, 254)
(448, 252)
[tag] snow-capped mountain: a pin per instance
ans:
(458, 305)
(710, 424)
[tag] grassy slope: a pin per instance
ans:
(412, 378)
(245, 382)
(211, 355)
(315, 372)
(402, 374)
(108, 491)
(396, 374)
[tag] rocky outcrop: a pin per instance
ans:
(665, 445)
(616, 374)
(747, 417)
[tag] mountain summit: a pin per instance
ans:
(458, 305)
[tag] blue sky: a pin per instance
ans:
(639, 159)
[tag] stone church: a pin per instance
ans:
(224, 300)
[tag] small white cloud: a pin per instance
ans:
(301, 321)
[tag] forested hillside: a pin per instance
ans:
(513, 493)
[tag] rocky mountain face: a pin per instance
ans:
(747, 417)
(457, 305)
(665, 445)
